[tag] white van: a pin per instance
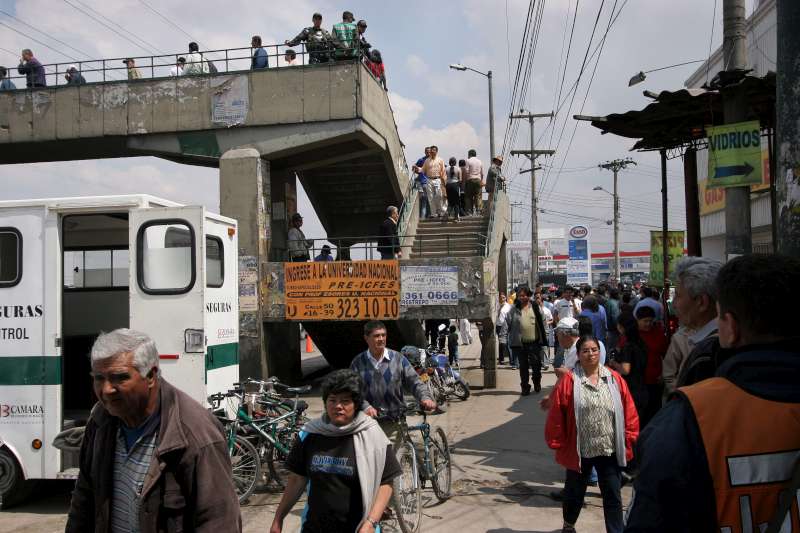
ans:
(71, 268)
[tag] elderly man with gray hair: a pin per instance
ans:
(695, 303)
(152, 458)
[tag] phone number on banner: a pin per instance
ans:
(430, 298)
(365, 308)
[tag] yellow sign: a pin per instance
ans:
(734, 154)
(342, 290)
(674, 249)
(712, 200)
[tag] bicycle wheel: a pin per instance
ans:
(276, 459)
(246, 467)
(406, 494)
(442, 474)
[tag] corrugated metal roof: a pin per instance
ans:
(677, 118)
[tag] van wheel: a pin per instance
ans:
(13, 489)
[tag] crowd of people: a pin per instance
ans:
(455, 189)
(345, 42)
(621, 374)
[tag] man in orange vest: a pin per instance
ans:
(724, 454)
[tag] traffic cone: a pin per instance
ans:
(309, 344)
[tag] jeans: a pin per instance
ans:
(530, 363)
(502, 352)
(424, 208)
(610, 481)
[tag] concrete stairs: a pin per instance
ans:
(448, 238)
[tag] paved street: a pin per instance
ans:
(501, 476)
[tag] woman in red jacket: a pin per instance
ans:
(592, 422)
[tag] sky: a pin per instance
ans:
(432, 104)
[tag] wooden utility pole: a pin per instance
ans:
(532, 154)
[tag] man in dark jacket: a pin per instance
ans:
(694, 476)
(152, 458)
(388, 240)
(526, 336)
(32, 69)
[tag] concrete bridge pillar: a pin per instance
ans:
(246, 193)
(489, 353)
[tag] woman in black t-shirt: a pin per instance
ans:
(631, 359)
(345, 460)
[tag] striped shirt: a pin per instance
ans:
(130, 469)
(384, 382)
(596, 418)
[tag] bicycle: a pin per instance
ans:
(435, 467)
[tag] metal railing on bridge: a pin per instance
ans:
(162, 66)
(366, 246)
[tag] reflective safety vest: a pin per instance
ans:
(752, 446)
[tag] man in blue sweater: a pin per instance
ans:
(385, 373)
(422, 183)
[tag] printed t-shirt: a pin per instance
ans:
(334, 494)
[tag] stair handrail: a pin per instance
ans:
(499, 194)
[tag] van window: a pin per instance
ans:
(10, 257)
(95, 269)
(165, 262)
(215, 264)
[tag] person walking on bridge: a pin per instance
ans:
(473, 184)
(32, 69)
(434, 168)
(345, 37)
(388, 240)
(318, 41)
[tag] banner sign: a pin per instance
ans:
(674, 249)
(734, 154)
(342, 290)
(713, 199)
(428, 285)
(579, 268)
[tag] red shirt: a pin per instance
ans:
(376, 69)
(657, 345)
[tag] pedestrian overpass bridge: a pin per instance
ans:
(330, 124)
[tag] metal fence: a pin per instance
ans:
(153, 67)
(366, 246)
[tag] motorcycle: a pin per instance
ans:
(452, 383)
(426, 369)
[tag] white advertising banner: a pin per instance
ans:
(579, 265)
(428, 285)
(230, 100)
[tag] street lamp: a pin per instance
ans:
(640, 76)
(615, 222)
(462, 68)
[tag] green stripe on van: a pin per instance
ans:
(33, 370)
(222, 355)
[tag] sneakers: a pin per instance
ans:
(514, 367)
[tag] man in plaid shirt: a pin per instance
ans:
(385, 373)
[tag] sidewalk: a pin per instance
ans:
(502, 471)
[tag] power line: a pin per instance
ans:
(43, 33)
(37, 41)
(114, 31)
(168, 21)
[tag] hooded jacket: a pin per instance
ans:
(188, 487)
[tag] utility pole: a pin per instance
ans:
(491, 118)
(615, 166)
(532, 154)
(738, 231)
(513, 205)
(787, 175)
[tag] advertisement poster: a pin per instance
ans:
(674, 248)
(428, 285)
(230, 100)
(342, 290)
(579, 267)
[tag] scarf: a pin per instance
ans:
(370, 445)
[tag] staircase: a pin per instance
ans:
(442, 238)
